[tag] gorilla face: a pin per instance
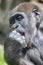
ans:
(23, 25)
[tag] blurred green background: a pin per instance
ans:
(2, 61)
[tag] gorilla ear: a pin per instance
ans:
(37, 12)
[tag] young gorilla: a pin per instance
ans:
(20, 47)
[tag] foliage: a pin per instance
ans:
(2, 61)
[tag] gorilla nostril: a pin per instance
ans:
(14, 27)
(17, 26)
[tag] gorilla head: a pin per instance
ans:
(24, 19)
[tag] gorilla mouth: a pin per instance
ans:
(22, 33)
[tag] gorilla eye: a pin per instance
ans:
(36, 12)
(18, 17)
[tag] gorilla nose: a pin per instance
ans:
(15, 26)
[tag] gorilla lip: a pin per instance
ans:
(22, 33)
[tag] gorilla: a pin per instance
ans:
(24, 43)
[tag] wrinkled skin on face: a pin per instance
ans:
(21, 47)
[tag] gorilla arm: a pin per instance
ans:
(13, 53)
(34, 56)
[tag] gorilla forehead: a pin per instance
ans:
(24, 7)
